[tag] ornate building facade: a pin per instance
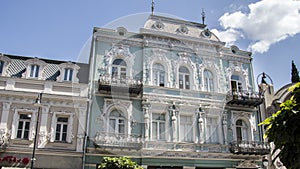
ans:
(173, 96)
(59, 119)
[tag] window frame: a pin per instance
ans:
(117, 125)
(119, 70)
(159, 75)
(68, 74)
(212, 129)
(57, 115)
(61, 135)
(208, 79)
(243, 130)
(25, 122)
(184, 78)
(237, 82)
(189, 125)
(34, 71)
(160, 135)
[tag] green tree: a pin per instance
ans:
(118, 163)
(295, 74)
(283, 128)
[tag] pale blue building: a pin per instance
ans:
(173, 96)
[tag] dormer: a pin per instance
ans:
(34, 68)
(68, 72)
(4, 61)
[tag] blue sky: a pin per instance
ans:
(59, 29)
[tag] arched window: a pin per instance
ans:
(116, 123)
(158, 74)
(184, 78)
(208, 81)
(34, 71)
(119, 69)
(236, 83)
(241, 131)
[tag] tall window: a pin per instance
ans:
(1, 67)
(184, 78)
(116, 123)
(61, 129)
(158, 75)
(236, 83)
(68, 76)
(208, 81)
(212, 132)
(23, 126)
(158, 126)
(119, 69)
(34, 71)
(186, 128)
(241, 131)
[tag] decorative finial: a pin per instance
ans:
(203, 16)
(152, 7)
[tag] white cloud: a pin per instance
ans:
(229, 36)
(268, 22)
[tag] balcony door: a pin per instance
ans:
(118, 71)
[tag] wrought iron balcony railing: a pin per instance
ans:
(249, 147)
(103, 139)
(247, 98)
(108, 83)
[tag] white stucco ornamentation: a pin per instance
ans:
(237, 69)
(118, 51)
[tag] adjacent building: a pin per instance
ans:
(47, 96)
(173, 96)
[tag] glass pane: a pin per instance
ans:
(20, 126)
(121, 128)
(1, 67)
(70, 74)
(65, 127)
(187, 81)
(161, 79)
(57, 136)
(181, 81)
(183, 70)
(37, 68)
(154, 130)
(19, 134)
(112, 125)
(64, 137)
(161, 131)
(27, 125)
(119, 62)
(26, 134)
(58, 127)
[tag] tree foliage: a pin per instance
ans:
(118, 163)
(283, 128)
(295, 74)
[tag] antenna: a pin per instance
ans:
(203, 16)
(152, 7)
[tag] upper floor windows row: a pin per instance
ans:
(160, 76)
(38, 69)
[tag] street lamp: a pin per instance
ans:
(39, 105)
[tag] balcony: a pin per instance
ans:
(113, 140)
(109, 84)
(246, 98)
(250, 147)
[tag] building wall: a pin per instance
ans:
(63, 103)
(172, 95)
